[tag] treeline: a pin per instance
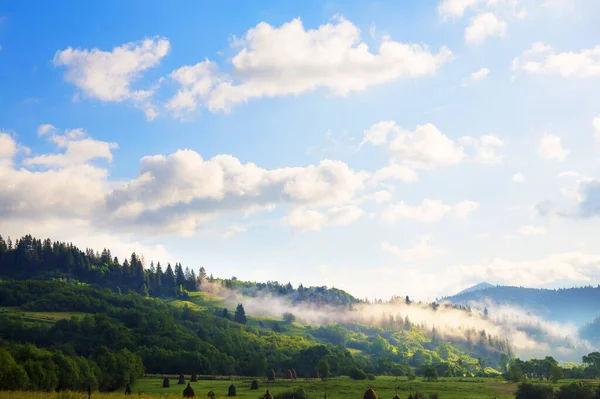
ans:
(32, 258)
(579, 390)
(548, 369)
(27, 367)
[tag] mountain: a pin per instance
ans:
(477, 287)
(576, 305)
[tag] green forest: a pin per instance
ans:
(72, 319)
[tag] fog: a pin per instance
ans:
(529, 335)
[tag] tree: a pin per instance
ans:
(556, 373)
(289, 318)
(12, 375)
(240, 314)
(430, 373)
(531, 391)
(225, 314)
(324, 368)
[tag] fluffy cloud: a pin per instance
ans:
(518, 178)
(108, 75)
(542, 59)
(178, 191)
(79, 149)
(425, 148)
(456, 8)
(480, 74)
(428, 211)
(8, 146)
(304, 219)
(550, 147)
(483, 26)
(486, 148)
(291, 60)
(421, 250)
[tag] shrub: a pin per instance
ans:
(356, 374)
(530, 391)
(298, 393)
(371, 377)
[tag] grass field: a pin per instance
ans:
(44, 317)
(338, 388)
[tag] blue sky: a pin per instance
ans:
(381, 147)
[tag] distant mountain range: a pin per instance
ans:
(576, 305)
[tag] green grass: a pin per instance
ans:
(44, 317)
(342, 388)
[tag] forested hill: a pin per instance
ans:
(578, 305)
(32, 258)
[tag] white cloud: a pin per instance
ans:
(79, 149)
(290, 60)
(395, 171)
(518, 178)
(455, 8)
(542, 59)
(421, 250)
(532, 231)
(304, 219)
(8, 146)
(550, 147)
(480, 74)
(596, 123)
(482, 26)
(428, 211)
(108, 75)
(486, 148)
(181, 190)
(378, 197)
(424, 148)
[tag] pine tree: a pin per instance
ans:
(240, 314)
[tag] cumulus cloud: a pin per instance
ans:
(455, 8)
(479, 74)
(291, 60)
(518, 178)
(486, 148)
(421, 250)
(551, 148)
(304, 219)
(542, 59)
(79, 149)
(425, 148)
(108, 75)
(482, 26)
(428, 211)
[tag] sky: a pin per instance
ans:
(381, 147)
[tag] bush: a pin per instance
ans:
(530, 391)
(576, 390)
(298, 393)
(357, 374)
(371, 377)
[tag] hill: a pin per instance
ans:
(555, 305)
(61, 305)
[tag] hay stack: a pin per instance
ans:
(181, 380)
(370, 394)
(231, 391)
(166, 383)
(288, 374)
(254, 385)
(127, 389)
(194, 378)
(189, 392)
(294, 375)
(268, 395)
(271, 375)
(210, 394)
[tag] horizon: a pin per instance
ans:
(404, 149)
